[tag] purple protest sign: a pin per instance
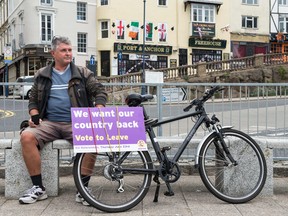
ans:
(108, 129)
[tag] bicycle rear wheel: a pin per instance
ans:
(231, 183)
(118, 181)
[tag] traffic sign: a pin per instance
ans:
(92, 60)
(120, 55)
(7, 54)
(174, 94)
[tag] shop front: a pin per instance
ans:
(206, 49)
(245, 44)
(279, 42)
(129, 57)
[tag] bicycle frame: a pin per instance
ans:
(200, 120)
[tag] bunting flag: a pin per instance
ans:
(133, 33)
(162, 31)
(120, 24)
(149, 31)
(199, 30)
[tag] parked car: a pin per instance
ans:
(23, 90)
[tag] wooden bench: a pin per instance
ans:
(17, 179)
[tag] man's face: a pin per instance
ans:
(63, 54)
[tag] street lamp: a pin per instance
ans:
(143, 89)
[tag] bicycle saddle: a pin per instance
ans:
(134, 100)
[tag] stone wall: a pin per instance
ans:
(269, 74)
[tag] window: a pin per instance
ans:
(252, 2)
(283, 24)
(162, 2)
(203, 13)
(104, 2)
(81, 11)
(46, 2)
(104, 29)
(283, 2)
(82, 43)
(162, 62)
(249, 22)
(46, 27)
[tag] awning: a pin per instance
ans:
(213, 2)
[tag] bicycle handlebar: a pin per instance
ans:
(207, 95)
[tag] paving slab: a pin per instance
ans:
(191, 199)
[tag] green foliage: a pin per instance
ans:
(282, 72)
(269, 91)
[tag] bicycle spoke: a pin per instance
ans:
(110, 189)
(231, 182)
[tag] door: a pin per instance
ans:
(105, 63)
(182, 57)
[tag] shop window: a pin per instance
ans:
(260, 49)
(34, 64)
(129, 66)
(200, 55)
(276, 48)
(162, 62)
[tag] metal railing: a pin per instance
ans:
(259, 109)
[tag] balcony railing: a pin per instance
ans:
(202, 69)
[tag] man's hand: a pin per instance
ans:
(34, 119)
(99, 105)
(32, 124)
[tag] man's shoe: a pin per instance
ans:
(32, 195)
(80, 199)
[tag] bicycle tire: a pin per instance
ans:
(233, 184)
(102, 193)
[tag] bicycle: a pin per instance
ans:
(120, 180)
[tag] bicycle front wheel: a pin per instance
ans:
(117, 181)
(234, 183)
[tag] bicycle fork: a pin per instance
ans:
(219, 150)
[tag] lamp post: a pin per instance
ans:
(143, 89)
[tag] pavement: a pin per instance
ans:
(191, 199)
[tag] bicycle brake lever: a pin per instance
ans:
(186, 109)
(193, 102)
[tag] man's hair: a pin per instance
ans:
(58, 40)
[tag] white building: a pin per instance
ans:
(28, 26)
(193, 30)
(279, 26)
(177, 32)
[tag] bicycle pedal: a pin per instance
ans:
(165, 148)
